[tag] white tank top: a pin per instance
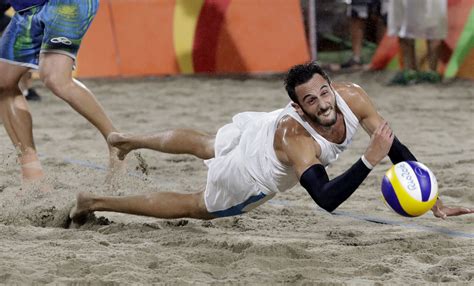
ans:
(258, 153)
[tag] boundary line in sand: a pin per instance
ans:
(367, 218)
(102, 168)
(379, 220)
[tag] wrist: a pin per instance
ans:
(366, 162)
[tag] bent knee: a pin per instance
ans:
(7, 89)
(205, 150)
(210, 149)
(198, 209)
(56, 82)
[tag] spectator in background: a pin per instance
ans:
(361, 11)
(4, 19)
(25, 82)
(420, 19)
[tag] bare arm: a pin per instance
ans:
(370, 119)
(295, 147)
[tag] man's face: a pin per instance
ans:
(317, 101)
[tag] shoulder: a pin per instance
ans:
(292, 143)
(351, 93)
(289, 127)
(289, 132)
(355, 97)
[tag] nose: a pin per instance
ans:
(324, 105)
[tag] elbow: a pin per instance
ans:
(329, 209)
(327, 206)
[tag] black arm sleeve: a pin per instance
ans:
(399, 152)
(329, 194)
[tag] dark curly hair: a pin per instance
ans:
(301, 74)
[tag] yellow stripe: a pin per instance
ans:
(409, 204)
(186, 15)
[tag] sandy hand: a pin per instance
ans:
(442, 211)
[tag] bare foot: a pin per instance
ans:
(31, 169)
(121, 142)
(34, 181)
(82, 209)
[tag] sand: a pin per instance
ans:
(287, 240)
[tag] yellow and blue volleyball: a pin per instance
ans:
(410, 188)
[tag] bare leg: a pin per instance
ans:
(25, 83)
(160, 205)
(56, 73)
(407, 47)
(381, 29)
(17, 120)
(357, 36)
(433, 54)
(178, 141)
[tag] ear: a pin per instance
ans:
(298, 109)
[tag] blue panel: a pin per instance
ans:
(391, 198)
(423, 178)
(236, 210)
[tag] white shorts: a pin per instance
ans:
(230, 190)
(418, 19)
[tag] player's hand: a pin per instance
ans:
(380, 144)
(442, 211)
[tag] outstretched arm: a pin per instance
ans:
(370, 119)
(329, 194)
(398, 153)
(300, 150)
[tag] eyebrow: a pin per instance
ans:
(306, 96)
(309, 94)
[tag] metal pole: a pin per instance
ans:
(312, 31)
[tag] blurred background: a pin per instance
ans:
(170, 37)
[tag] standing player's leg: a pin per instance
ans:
(25, 86)
(160, 205)
(17, 120)
(19, 46)
(56, 74)
(177, 141)
(65, 24)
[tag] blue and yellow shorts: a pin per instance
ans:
(58, 26)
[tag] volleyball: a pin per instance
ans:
(410, 188)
